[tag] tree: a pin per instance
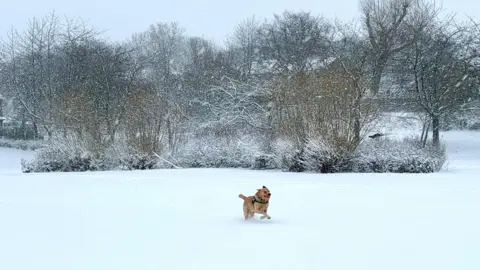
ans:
(163, 49)
(145, 121)
(207, 67)
(100, 77)
(440, 72)
(29, 68)
(295, 42)
(33, 73)
(234, 104)
(245, 44)
(392, 26)
(353, 54)
(321, 106)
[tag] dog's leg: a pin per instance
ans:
(246, 213)
(266, 209)
(264, 215)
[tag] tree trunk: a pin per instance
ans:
(170, 136)
(356, 129)
(436, 130)
(425, 130)
(49, 132)
(36, 134)
(356, 115)
(1, 117)
(23, 126)
(269, 132)
(1, 107)
(377, 75)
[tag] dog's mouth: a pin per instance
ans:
(268, 196)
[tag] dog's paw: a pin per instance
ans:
(269, 217)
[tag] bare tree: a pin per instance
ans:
(392, 26)
(30, 68)
(330, 105)
(245, 44)
(145, 122)
(295, 42)
(33, 72)
(99, 78)
(353, 55)
(235, 104)
(163, 46)
(440, 72)
(315, 106)
(208, 66)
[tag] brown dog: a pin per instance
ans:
(256, 204)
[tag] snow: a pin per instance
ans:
(10, 161)
(192, 218)
(463, 151)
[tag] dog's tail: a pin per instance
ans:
(241, 196)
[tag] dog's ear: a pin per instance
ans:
(264, 187)
(259, 189)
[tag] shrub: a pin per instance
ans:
(66, 155)
(320, 156)
(264, 162)
(211, 152)
(475, 126)
(289, 156)
(120, 155)
(372, 156)
(138, 161)
(315, 155)
(406, 156)
(74, 164)
(61, 157)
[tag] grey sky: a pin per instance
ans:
(213, 19)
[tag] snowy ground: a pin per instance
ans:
(192, 219)
(10, 161)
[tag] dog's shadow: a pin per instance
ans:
(256, 221)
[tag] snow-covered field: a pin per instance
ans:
(192, 218)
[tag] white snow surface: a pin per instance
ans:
(10, 162)
(192, 218)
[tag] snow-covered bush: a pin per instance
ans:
(242, 151)
(289, 156)
(475, 126)
(70, 154)
(22, 144)
(377, 155)
(66, 154)
(217, 152)
(265, 162)
(315, 155)
(403, 156)
(120, 155)
(321, 156)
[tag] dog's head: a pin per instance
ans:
(263, 193)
